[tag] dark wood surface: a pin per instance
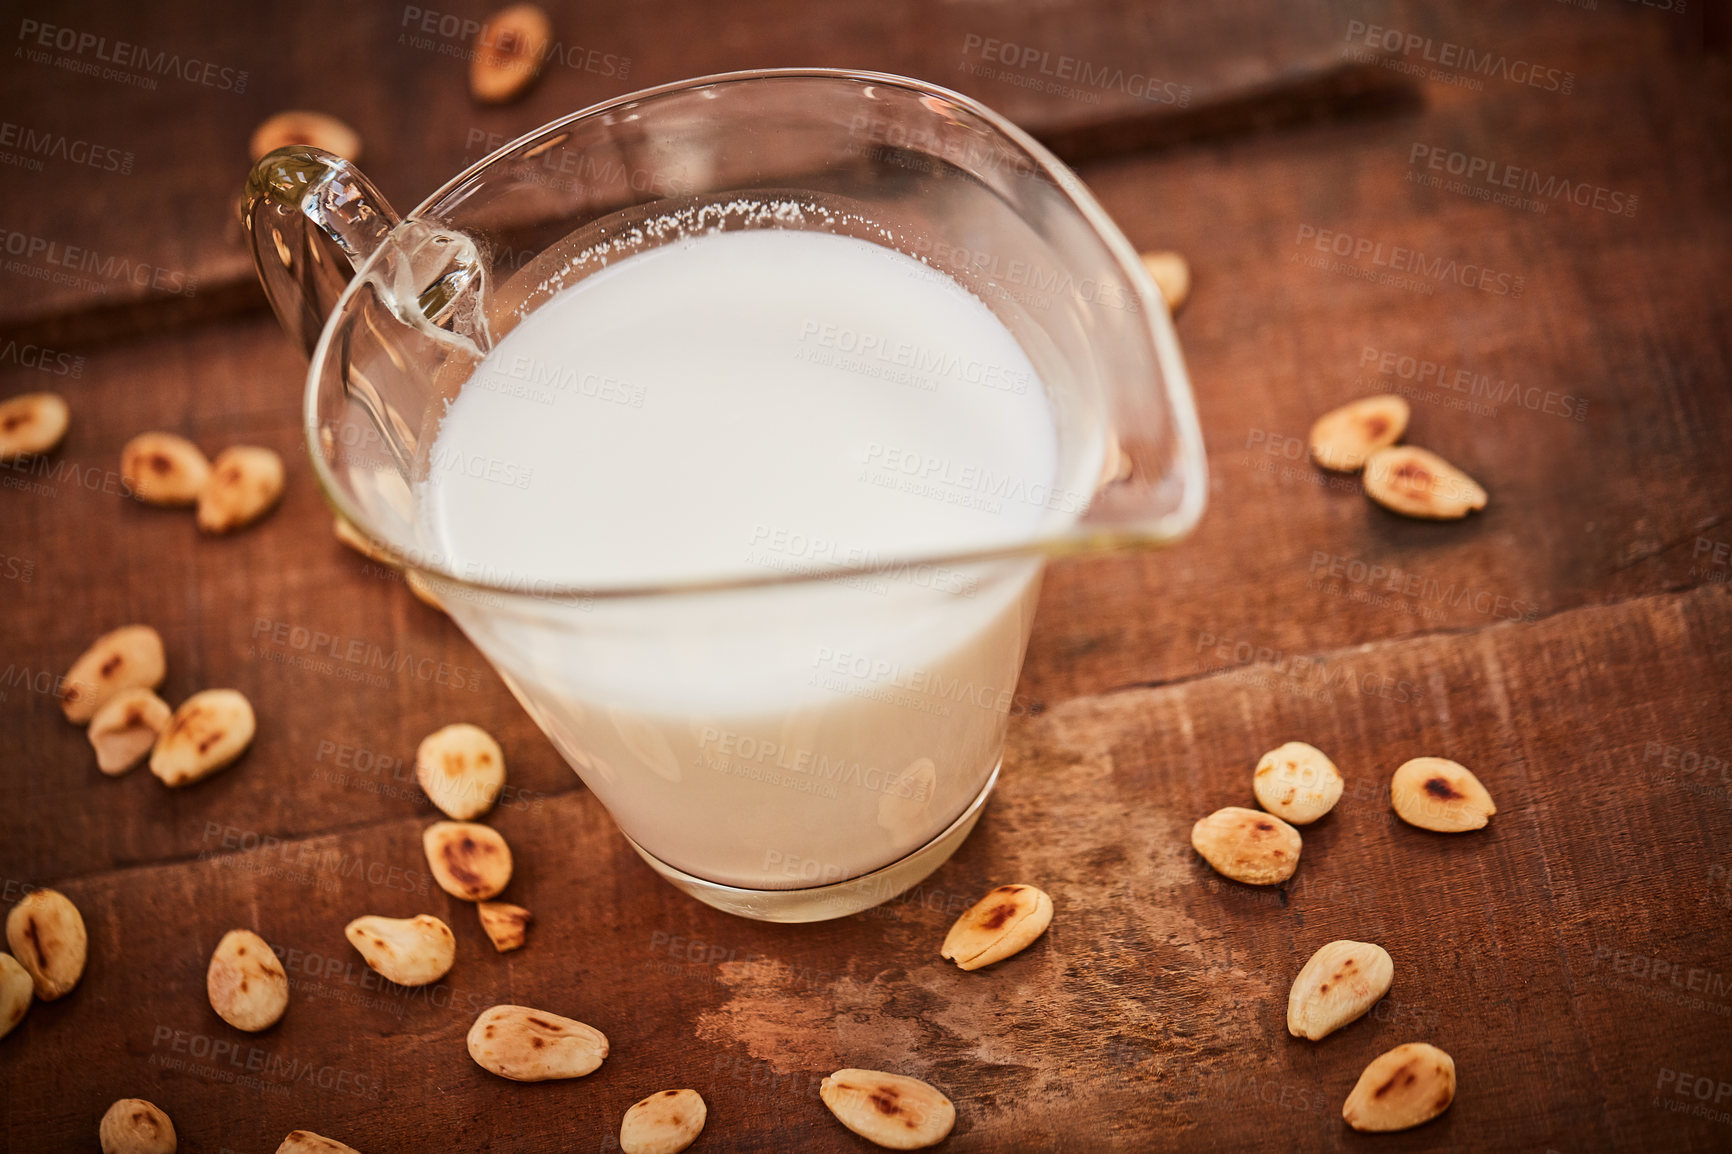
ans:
(1572, 644)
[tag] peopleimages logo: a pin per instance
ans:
(39, 40)
(1401, 259)
(1472, 63)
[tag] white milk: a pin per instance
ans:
(742, 405)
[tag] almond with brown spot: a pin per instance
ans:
(508, 58)
(1297, 783)
(1416, 482)
(663, 1123)
(125, 728)
(208, 732)
(297, 126)
(1410, 1085)
(45, 933)
(30, 424)
(1342, 439)
(130, 657)
(307, 1142)
(468, 860)
(1000, 924)
(163, 469)
(528, 1045)
(1438, 794)
(504, 924)
(16, 992)
(1340, 982)
(245, 982)
(245, 482)
(891, 1110)
(461, 769)
(1258, 849)
(409, 951)
(134, 1126)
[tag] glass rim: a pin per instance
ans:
(1053, 544)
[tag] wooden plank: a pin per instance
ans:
(1565, 977)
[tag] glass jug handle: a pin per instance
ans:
(312, 218)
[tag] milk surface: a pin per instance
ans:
(742, 405)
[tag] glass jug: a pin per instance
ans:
(793, 741)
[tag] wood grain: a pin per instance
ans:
(1572, 645)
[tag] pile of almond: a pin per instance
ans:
(1405, 479)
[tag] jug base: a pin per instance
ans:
(838, 899)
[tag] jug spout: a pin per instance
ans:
(312, 218)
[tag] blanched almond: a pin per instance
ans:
(409, 951)
(1438, 794)
(1343, 438)
(1172, 275)
(245, 482)
(46, 935)
(208, 732)
(1411, 1084)
(245, 982)
(130, 657)
(1340, 982)
(163, 469)
(461, 769)
(505, 924)
(1297, 783)
(997, 926)
(134, 1126)
(468, 860)
(528, 1045)
(1415, 482)
(307, 1142)
(125, 728)
(891, 1110)
(508, 57)
(1258, 849)
(31, 423)
(299, 126)
(16, 992)
(663, 1123)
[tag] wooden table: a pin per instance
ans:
(1572, 644)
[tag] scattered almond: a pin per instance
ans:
(1172, 275)
(1258, 849)
(247, 985)
(1415, 482)
(409, 951)
(529, 1045)
(125, 728)
(134, 1126)
(1411, 1084)
(299, 126)
(1438, 794)
(1340, 982)
(1297, 783)
(1000, 924)
(130, 657)
(245, 482)
(505, 924)
(468, 860)
(359, 542)
(208, 732)
(163, 469)
(1116, 465)
(663, 1123)
(16, 991)
(508, 58)
(1343, 438)
(31, 423)
(307, 1142)
(461, 769)
(891, 1110)
(46, 935)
